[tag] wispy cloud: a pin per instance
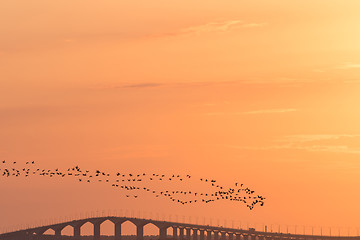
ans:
(314, 137)
(221, 113)
(286, 81)
(265, 111)
(254, 25)
(220, 26)
(214, 27)
(336, 143)
(262, 111)
(141, 85)
(313, 148)
(164, 84)
(353, 81)
(332, 143)
(331, 148)
(319, 70)
(283, 82)
(348, 65)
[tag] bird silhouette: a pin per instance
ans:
(241, 195)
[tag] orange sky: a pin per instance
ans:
(261, 92)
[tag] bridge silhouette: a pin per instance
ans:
(180, 231)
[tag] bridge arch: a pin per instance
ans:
(208, 234)
(46, 231)
(128, 227)
(86, 228)
(107, 227)
(151, 230)
(173, 231)
(67, 230)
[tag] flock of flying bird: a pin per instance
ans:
(131, 182)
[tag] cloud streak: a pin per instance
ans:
(165, 84)
(214, 27)
(330, 143)
(262, 111)
(349, 65)
(315, 137)
(142, 85)
(266, 111)
(313, 148)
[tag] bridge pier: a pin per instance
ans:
(175, 234)
(163, 232)
(28, 236)
(195, 234)
(57, 233)
(77, 232)
(117, 231)
(188, 234)
(139, 232)
(96, 231)
(208, 235)
(237, 236)
(202, 234)
(246, 237)
(216, 235)
(181, 233)
(231, 236)
(223, 236)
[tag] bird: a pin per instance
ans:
(241, 195)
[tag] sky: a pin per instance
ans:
(260, 92)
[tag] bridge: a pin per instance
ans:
(180, 231)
